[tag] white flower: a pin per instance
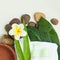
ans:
(17, 31)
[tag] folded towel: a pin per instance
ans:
(43, 51)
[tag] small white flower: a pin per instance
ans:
(17, 31)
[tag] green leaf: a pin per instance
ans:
(45, 32)
(59, 52)
(18, 50)
(33, 33)
(26, 47)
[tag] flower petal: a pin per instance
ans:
(22, 26)
(11, 32)
(17, 37)
(14, 25)
(24, 33)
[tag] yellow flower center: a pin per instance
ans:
(17, 31)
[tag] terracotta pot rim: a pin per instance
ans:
(11, 49)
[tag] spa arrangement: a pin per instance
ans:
(28, 40)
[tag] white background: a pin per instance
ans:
(15, 8)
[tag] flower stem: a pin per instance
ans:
(18, 50)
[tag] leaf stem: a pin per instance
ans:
(26, 47)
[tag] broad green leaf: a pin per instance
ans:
(59, 52)
(33, 33)
(46, 30)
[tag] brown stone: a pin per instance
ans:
(14, 20)
(38, 15)
(31, 24)
(25, 18)
(54, 21)
(7, 40)
(7, 27)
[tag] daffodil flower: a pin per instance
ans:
(18, 31)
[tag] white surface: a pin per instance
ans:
(43, 51)
(15, 8)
